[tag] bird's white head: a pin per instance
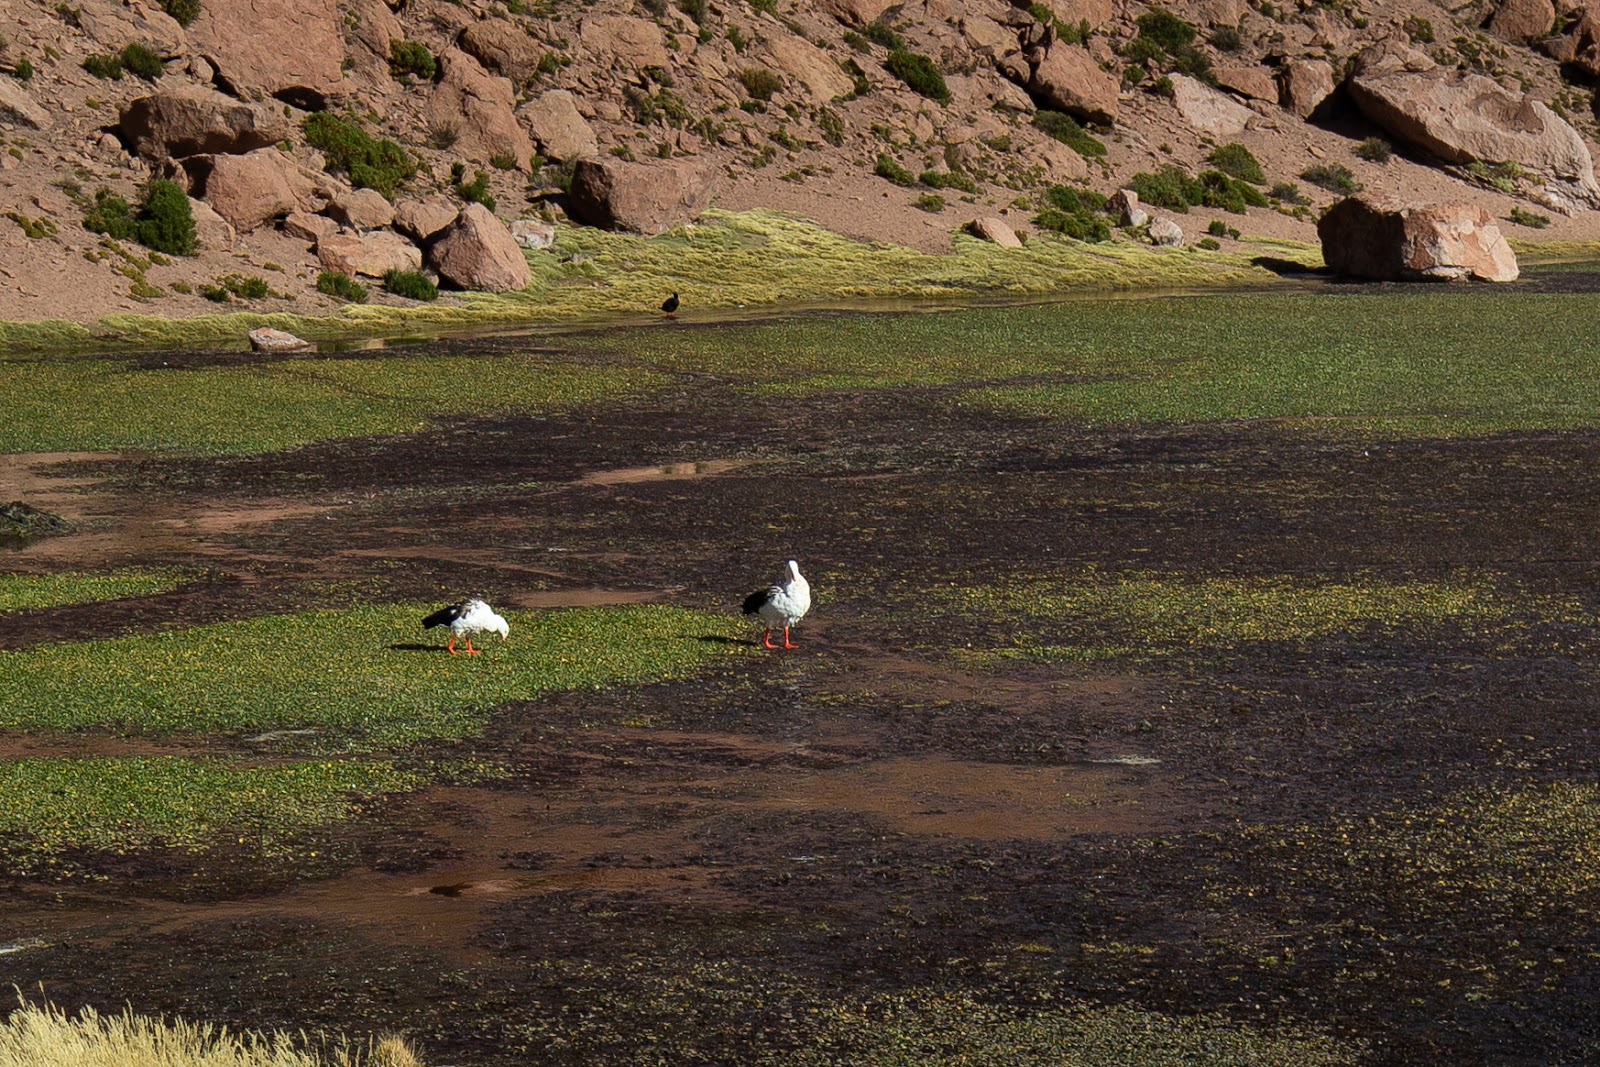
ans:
(500, 626)
(794, 569)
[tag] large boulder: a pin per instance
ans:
(1303, 85)
(1068, 79)
(479, 110)
(646, 198)
(1251, 81)
(1462, 118)
(478, 252)
(195, 120)
(627, 42)
(1391, 240)
(18, 107)
(995, 230)
(807, 65)
(114, 26)
(248, 190)
(1522, 20)
(361, 209)
(1076, 12)
(854, 12)
(1580, 44)
(371, 254)
(1207, 110)
(559, 131)
(424, 219)
(291, 49)
(502, 46)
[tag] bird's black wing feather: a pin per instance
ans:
(753, 602)
(444, 616)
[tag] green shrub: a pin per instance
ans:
(1420, 30)
(166, 222)
(930, 202)
(1375, 150)
(474, 192)
(1227, 39)
(342, 287)
(1217, 228)
(890, 168)
(411, 284)
(1235, 160)
(370, 163)
(1529, 218)
(1334, 177)
(1162, 86)
(412, 57)
(1074, 201)
(503, 161)
(695, 9)
(1080, 227)
(760, 83)
(882, 33)
(1066, 129)
(1288, 193)
(1230, 194)
(42, 227)
(947, 179)
(104, 66)
(1171, 187)
(736, 38)
(918, 72)
(832, 127)
(23, 70)
(1210, 244)
(143, 61)
(1165, 29)
(111, 215)
(184, 11)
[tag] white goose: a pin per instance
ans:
(783, 604)
(465, 619)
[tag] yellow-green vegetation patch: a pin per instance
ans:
(119, 805)
(1405, 364)
(47, 1036)
(1145, 615)
(367, 676)
(265, 407)
(26, 592)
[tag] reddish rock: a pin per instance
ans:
(1068, 79)
(1303, 84)
(559, 131)
(854, 12)
(1207, 110)
(477, 252)
(1124, 204)
(113, 27)
(502, 46)
(371, 254)
(807, 65)
(1523, 20)
(211, 229)
(1580, 45)
(1255, 82)
(422, 220)
(291, 49)
(996, 230)
(308, 227)
(18, 107)
(647, 198)
(248, 190)
(1377, 237)
(361, 209)
(1076, 12)
(628, 42)
(197, 119)
(478, 107)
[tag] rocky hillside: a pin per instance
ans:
(347, 136)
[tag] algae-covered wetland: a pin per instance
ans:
(1193, 679)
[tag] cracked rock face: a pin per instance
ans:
(1391, 240)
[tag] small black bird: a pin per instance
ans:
(670, 304)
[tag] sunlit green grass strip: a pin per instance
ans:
(121, 804)
(727, 260)
(272, 406)
(1142, 615)
(26, 592)
(1430, 362)
(336, 673)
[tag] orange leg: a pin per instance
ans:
(451, 647)
(766, 639)
(786, 641)
(470, 650)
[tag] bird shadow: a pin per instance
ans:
(720, 639)
(407, 646)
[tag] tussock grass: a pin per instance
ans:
(26, 592)
(271, 406)
(46, 1036)
(726, 261)
(335, 672)
(1144, 615)
(117, 805)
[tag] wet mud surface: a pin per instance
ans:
(870, 813)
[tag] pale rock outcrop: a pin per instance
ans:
(1523, 20)
(626, 41)
(1257, 83)
(308, 227)
(1165, 233)
(479, 108)
(361, 209)
(18, 107)
(1125, 207)
(113, 27)
(1303, 84)
(645, 197)
(1462, 117)
(196, 119)
(290, 49)
(559, 130)
(248, 190)
(211, 230)
(1580, 44)
(808, 65)
(1376, 237)
(372, 254)
(533, 234)
(503, 47)
(371, 28)
(1068, 79)
(1059, 161)
(1076, 12)
(422, 220)
(1207, 110)
(985, 34)
(854, 12)
(266, 339)
(995, 230)
(477, 252)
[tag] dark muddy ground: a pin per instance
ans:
(866, 815)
